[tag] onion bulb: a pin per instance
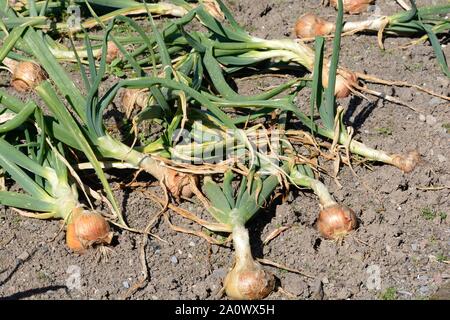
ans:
(344, 81)
(407, 162)
(132, 98)
(179, 183)
(86, 229)
(112, 52)
(309, 26)
(353, 6)
(26, 75)
(247, 280)
(336, 221)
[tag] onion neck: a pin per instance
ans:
(241, 242)
(325, 198)
(109, 147)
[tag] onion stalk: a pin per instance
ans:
(402, 23)
(247, 279)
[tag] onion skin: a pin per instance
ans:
(407, 162)
(112, 52)
(213, 9)
(353, 6)
(252, 284)
(336, 221)
(179, 183)
(27, 75)
(247, 280)
(309, 26)
(87, 229)
(132, 98)
(345, 80)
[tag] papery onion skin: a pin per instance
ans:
(113, 52)
(27, 75)
(86, 229)
(310, 26)
(408, 162)
(134, 98)
(336, 221)
(213, 9)
(345, 80)
(254, 284)
(179, 183)
(353, 6)
(72, 241)
(247, 280)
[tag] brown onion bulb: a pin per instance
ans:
(407, 162)
(132, 98)
(247, 280)
(309, 26)
(87, 229)
(112, 52)
(179, 183)
(345, 80)
(249, 283)
(353, 6)
(336, 221)
(27, 75)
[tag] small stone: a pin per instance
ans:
(157, 251)
(23, 256)
(325, 280)
(414, 246)
(422, 118)
(174, 260)
(424, 290)
(343, 294)
(192, 244)
(126, 284)
(441, 158)
(431, 120)
(435, 102)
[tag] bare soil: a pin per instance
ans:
(404, 218)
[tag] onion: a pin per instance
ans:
(112, 52)
(87, 229)
(309, 26)
(247, 280)
(132, 98)
(345, 80)
(26, 75)
(336, 221)
(407, 162)
(353, 6)
(179, 183)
